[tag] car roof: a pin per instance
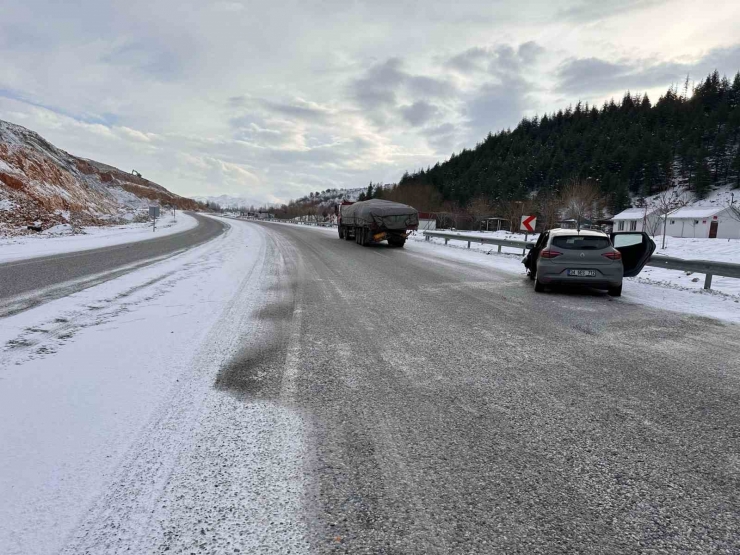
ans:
(582, 232)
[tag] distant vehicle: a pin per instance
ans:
(372, 221)
(587, 258)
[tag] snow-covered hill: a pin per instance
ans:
(331, 195)
(43, 185)
(228, 201)
(326, 198)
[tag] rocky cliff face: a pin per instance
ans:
(43, 185)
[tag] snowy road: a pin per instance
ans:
(29, 282)
(293, 393)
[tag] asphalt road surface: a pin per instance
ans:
(28, 283)
(454, 410)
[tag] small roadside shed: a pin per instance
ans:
(703, 222)
(495, 223)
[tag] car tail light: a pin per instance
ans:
(550, 253)
(613, 255)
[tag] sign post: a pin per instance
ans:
(153, 214)
(528, 223)
(527, 226)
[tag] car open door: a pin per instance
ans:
(530, 261)
(636, 248)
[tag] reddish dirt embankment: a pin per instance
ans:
(43, 185)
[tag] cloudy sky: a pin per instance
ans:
(269, 100)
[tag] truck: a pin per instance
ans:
(376, 220)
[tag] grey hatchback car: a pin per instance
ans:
(587, 258)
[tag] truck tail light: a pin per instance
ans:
(548, 253)
(613, 255)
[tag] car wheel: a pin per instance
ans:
(615, 291)
(538, 287)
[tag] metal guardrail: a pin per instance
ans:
(451, 235)
(707, 267)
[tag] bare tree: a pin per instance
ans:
(549, 206)
(666, 202)
(479, 209)
(451, 215)
(733, 208)
(581, 200)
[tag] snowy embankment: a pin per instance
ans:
(717, 250)
(59, 240)
(111, 427)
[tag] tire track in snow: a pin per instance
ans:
(215, 469)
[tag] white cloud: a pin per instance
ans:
(269, 100)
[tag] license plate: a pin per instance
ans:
(582, 273)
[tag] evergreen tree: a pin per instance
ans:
(630, 148)
(703, 180)
(736, 167)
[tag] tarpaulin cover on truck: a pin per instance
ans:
(383, 213)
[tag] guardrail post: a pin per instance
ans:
(446, 239)
(708, 282)
(499, 248)
(468, 244)
(427, 238)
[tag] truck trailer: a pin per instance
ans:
(372, 221)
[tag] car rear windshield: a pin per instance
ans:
(580, 242)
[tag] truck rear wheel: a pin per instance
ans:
(396, 241)
(341, 232)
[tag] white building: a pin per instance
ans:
(427, 221)
(703, 222)
(638, 219)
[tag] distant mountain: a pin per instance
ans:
(42, 184)
(329, 197)
(227, 201)
(326, 199)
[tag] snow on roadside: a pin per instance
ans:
(719, 250)
(56, 240)
(109, 417)
(650, 289)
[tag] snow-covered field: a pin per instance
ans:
(107, 401)
(58, 240)
(720, 250)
